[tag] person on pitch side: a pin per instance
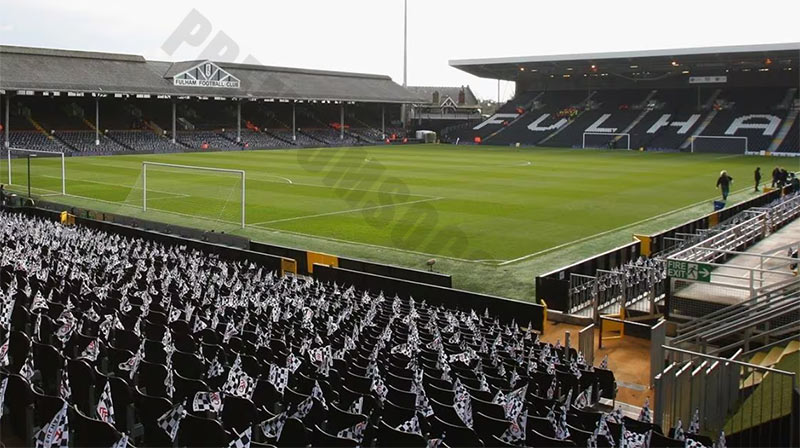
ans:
(757, 177)
(724, 183)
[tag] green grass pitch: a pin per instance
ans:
(493, 217)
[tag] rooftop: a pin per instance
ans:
(703, 60)
(56, 70)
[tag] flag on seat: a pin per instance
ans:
(242, 439)
(411, 426)
(645, 415)
(694, 425)
(355, 432)
(463, 404)
(678, 433)
(54, 434)
(273, 427)
(122, 442)
(207, 402)
(171, 420)
(27, 369)
(3, 386)
(516, 429)
(279, 377)
(105, 407)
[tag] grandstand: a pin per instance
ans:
(130, 321)
(661, 99)
(212, 347)
(97, 103)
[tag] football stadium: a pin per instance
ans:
(212, 253)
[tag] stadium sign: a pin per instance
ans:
(685, 270)
(206, 74)
(707, 79)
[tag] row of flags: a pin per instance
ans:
(231, 296)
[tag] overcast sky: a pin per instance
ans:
(367, 35)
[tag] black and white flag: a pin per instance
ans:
(279, 377)
(207, 402)
(105, 407)
(55, 434)
(171, 420)
(243, 439)
(273, 427)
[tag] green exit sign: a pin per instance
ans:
(688, 270)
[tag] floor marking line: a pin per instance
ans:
(341, 212)
(358, 243)
(181, 195)
(616, 229)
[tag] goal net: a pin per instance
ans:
(606, 140)
(725, 144)
(192, 191)
(42, 173)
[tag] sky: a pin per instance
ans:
(367, 35)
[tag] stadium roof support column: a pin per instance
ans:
(404, 110)
(174, 119)
(97, 121)
(294, 124)
(238, 122)
(383, 122)
(6, 123)
(341, 122)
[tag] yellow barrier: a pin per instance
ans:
(647, 244)
(612, 329)
(67, 219)
(544, 317)
(316, 257)
(713, 219)
(288, 265)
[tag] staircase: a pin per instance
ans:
(643, 104)
(787, 101)
(529, 107)
(699, 130)
(768, 358)
(788, 122)
(559, 130)
(707, 105)
(39, 127)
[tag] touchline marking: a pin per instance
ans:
(357, 243)
(597, 235)
(341, 212)
(139, 208)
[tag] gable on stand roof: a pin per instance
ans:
(201, 74)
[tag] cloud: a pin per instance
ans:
(6, 27)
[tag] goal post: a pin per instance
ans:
(212, 190)
(616, 137)
(50, 176)
(722, 143)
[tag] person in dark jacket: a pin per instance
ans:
(724, 183)
(757, 177)
(776, 175)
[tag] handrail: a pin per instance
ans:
(715, 316)
(748, 321)
(781, 329)
(717, 358)
(736, 317)
(772, 344)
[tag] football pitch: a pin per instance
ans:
(493, 217)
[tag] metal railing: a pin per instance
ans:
(729, 394)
